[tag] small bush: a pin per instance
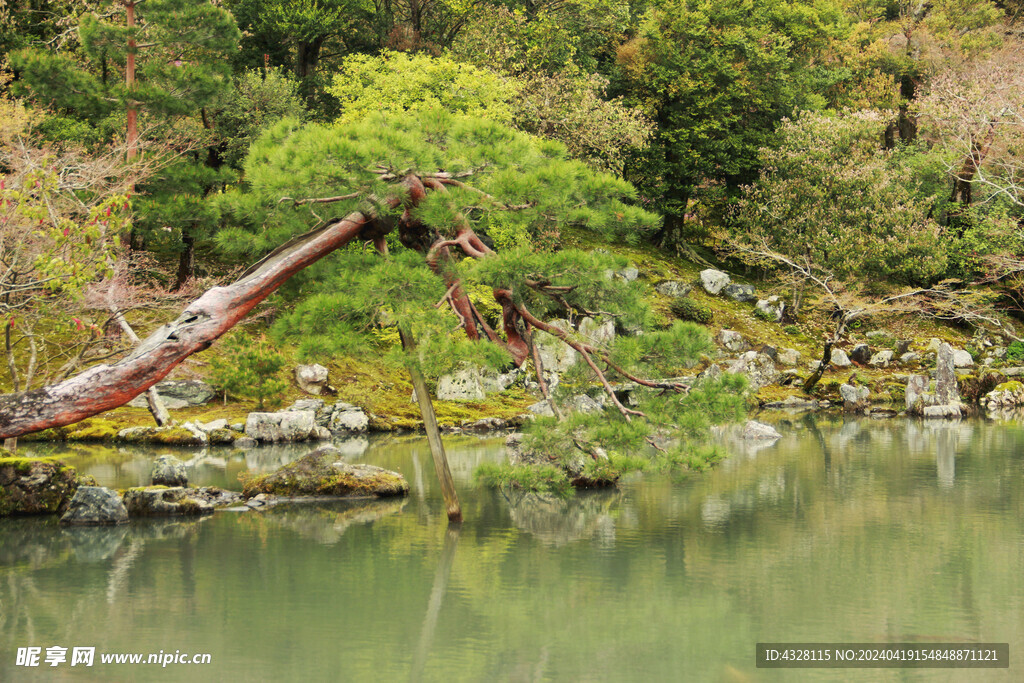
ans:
(250, 368)
(688, 309)
(1015, 351)
(791, 330)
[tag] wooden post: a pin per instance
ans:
(444, 475)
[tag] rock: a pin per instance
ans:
(215, 496)
(713, 281)
(741, 293)
(484, 425)
(769, 351)
(770, 308)
(674, 288)
(555, 355)
(875, 335)
(759, 369)
(854, 398)
(323, 473)
(159, 501)
(731, 341)
(790, 357)
(464, 385)
(759, 430)
(284, 426)
(840, 359)
(223, 436)
(917, 387)
(1005, 395)
(881, 359)
(629, 273)
(169, 471)
(942, 411)
(183, 435)
(244, 442)
(495, 383)
(323, 433)
(947, 391)
(793, 403)
(710, 373)
(909, 357)
(179, 393)
(962, 359)
(213, 426)
(861, 354)
(349, 419)
(903, 346)
(933, 345)
(95, 506)
(574, 464)
(311, 378)
(303, 404)
(581, 403)
(1016, 371)
(542, 409)
(598, 333)
(35, 487)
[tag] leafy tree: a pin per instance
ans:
(259, 99)
(250, 368)
(166, 59)
(717, 77)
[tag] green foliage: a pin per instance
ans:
(688, 309)
(398, 82)
(538, 479)
(1015, 352)
(250, 368)
(664, 353)
(258, 100)
(828, 194)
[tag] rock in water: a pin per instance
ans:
(854, 398)
(95, 506)
(713, 281)
(169, 471)
(349, 419)
(311, 378)
(298, 425)
(158, 501)
(323, 473)
(947, 391)
(759, 430)
(917, 387)
(35, 487)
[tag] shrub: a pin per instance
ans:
(688, 309)
(250, 368)
(1015, 351)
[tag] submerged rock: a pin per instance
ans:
(35, 487)
(169, 471)
(759, 430)
(323, 473)
(160, 501)
(95, 506)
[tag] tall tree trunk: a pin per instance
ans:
(426, 404)
(129, 81)
(186, 260)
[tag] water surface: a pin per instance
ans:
(852, 531)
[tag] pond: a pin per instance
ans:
(842, 531)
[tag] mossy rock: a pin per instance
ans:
(973, 387)
(36, 486)
(93, 429)
(1012, 386)
(167, 436)
(323, 473)
(164, 501)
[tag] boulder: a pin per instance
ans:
(160, 501)
(581, 403)
(1006, 395)
(555, 355)
(854, 398)
(909, 357)
(933, 345)
(942, 411)
(917, 387)
(793, 403)
(759, 369)
(542, 409)
(769, 351)
(962, 359)
(731, 340)
(169, 471)
(182, 435)
(861, 354)
(599, 333)
(903, 346)
(323, 473)
(95, 506)
(674, 288)
(179, 393)
(311, 378)
(759, 430)
(947, 390)
(464, 385)
(295, 425)
(741, 293)
(710, 373)
(881, 359)
(494, 383)
(35, 487)
(877, 335)
(349, 419)
(790, 357)
(713, 281)
(210, 427)
(840, 359)
(770, 308)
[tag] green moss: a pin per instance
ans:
(93, 429)
(1012, 386)
(688, 309)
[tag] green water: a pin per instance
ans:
(848, 531)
